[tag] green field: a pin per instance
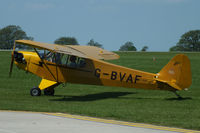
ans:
(135, 105)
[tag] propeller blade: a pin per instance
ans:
(12, 61)
(11, 65)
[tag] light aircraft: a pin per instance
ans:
(84, 65)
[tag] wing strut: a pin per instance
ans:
(45, 65)
(56, 58)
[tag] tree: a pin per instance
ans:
(128, 46)
(144, 48)
(176, 48)
(93, 43)
(190, 41)
(66, 41)
(11, 33)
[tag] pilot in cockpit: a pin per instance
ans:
(73, 61)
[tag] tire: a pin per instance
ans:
(35, 91)
(49, 92)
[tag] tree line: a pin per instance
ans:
(11, 33)
(189, 41)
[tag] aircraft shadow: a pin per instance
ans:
(165, 99)
(179, 99)
(92, 97)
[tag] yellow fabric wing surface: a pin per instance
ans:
(95, 52)
(52, 47)
(76, 50)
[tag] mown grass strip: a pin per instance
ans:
(133, 105)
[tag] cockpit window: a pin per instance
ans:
(63, 59)
(49, 56)
(41, 53)
(74, 61)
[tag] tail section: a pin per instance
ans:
(176, 73)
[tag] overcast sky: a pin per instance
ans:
(157, 24)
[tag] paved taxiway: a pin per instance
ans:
(31, 122)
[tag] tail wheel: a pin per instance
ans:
(49, 92)
(35, 91)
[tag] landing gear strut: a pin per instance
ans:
(35, 91)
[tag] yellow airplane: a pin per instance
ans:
(59, 64)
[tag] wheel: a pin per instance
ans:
(49, 92)
(35, 91)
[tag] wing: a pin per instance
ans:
(52, 47)
(95, 52)
(80, 51)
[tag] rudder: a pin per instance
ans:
(177, 73)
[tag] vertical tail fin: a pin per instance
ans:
(176, 73)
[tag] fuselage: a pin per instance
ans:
(88, 71)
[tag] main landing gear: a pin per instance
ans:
(46, 85)
(37, 92)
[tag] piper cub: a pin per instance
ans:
(59, 64)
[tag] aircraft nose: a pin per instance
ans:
(19, 57)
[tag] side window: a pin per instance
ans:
(82, 63)
(65, 60)
(73, 61)
(57, 57)
(41, 53)
(49, 56)
(52, 57)
(76, 62)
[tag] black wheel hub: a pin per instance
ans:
(35, 91)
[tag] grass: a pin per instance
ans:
(135, 105)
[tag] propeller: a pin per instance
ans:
(12, 61)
